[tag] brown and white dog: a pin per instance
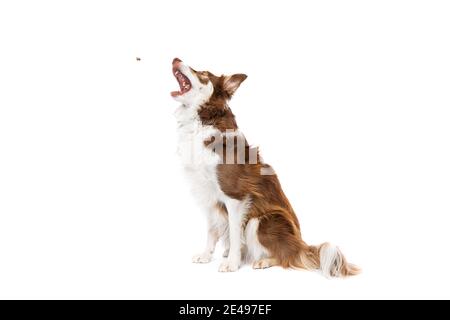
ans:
(240, 194)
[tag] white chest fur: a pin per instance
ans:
(199, 162)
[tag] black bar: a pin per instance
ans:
(219, 309)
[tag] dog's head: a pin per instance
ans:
(200, 87)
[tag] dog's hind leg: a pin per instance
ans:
(265, 263)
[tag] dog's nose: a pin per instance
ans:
(176, 60)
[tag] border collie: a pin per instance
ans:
(240, 194)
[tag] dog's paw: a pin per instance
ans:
(228, 266)
(263, 263)
(225, 253)
(202, 258)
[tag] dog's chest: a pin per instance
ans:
(199, 162)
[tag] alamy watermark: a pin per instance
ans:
(229, 147)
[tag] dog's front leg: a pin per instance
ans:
(211, 241)
(217, 225)
(236, 212)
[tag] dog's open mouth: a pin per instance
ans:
(183, 81)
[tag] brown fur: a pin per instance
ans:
(279, 228)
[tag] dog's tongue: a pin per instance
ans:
(175, 93)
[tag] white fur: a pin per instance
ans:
(237, 211)
(255, 250)
(199, 162)
(330, 260)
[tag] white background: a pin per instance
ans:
(348, 100)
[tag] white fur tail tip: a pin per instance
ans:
(333, 263)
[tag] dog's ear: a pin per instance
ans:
(231, 83)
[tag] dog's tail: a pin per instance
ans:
(329, 259)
